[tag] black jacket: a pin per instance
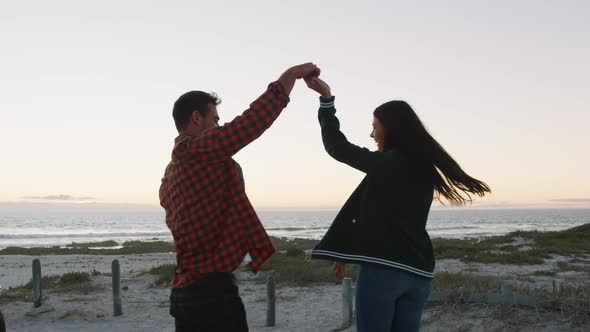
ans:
(384, 220)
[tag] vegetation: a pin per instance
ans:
(483, 251)
(92, 244)
(67, 282)
(163, 274)
(447, 281)
(293, 269)
(495, 249)
(500, 249)
(291, 265)
(284, 244)
(563, 267)
(128, 248)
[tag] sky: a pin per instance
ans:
(87, 88)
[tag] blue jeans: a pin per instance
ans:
(389, 300)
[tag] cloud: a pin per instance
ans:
(571, 200)
(60, 197)
(42, 206)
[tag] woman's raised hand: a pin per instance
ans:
(316, 84)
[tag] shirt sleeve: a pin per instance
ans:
(225, 141)
(339, 148)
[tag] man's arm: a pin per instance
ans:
(225, 141)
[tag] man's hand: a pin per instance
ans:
(339, 270)
(321, 87)
(305, 70)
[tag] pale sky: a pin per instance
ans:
(87, 88)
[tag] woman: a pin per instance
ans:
(382, 226)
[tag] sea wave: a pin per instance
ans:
(449, 228)
(295, 229)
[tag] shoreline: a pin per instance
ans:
(45, 230)
(540, 255)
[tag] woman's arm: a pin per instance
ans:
(338, 146)
(334, 140)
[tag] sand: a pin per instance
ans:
(145, 307)
(312, 308)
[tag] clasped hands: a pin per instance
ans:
(310, 73)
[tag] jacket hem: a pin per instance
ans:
(374, 260)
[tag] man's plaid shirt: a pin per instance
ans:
(207, 210)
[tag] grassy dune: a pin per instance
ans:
(67, 282)
(496, 249)
(290, 265)
(534, 248)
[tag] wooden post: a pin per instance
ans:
(37, 292)
(270, 301)
(507, 295)
(347, 301)
(116, 273)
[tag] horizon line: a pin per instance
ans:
(551, 204)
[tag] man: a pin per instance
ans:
(213, 224)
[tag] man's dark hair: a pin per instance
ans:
(189, 102)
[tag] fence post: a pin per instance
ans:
(347, 300)
(507, 295)
(116, 273)
(270, 301)
(37, 292)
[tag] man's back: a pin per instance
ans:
(207, 210)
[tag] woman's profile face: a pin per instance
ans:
(378, 134)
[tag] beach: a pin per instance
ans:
(307, 306)
(146, 307)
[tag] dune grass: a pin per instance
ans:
(163, 274)
(495, 249)
(500, 249)
(67, 282)
(483, 251)
(129, 248)
(288, 265)
(109, 243)
(293, 268)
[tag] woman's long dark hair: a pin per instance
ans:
(427, 158)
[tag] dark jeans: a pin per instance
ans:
(210, 304)
(389, 299)
(2, 326)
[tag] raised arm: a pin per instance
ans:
(225, 141)
(335, 142)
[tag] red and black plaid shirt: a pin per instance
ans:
(207, 210)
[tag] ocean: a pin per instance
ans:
(58, 228)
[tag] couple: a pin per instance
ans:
(381, 227)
